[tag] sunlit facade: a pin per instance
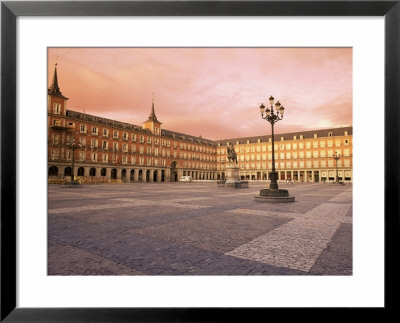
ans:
(103, 150)
(301, 157)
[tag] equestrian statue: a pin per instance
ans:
(232, 157)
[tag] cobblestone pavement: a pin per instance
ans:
(198, 229)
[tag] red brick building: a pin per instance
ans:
(107, 150)
(96, 149)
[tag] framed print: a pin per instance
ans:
(54, 265)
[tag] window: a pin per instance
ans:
(57, 108)
(315, 154)
(95, 131)
(308, 144)
(105, 144)
(82, 156)
(322, 144)
(337, 142)
(94, 157)
(115, 146)
(54, 154)
(105, 132)
(315, 144)
(105, 158)
(125, 136)
(294, 145)
(115, 134)
(149, 140)
(124, 147)
(301, 145)
(55, 139)
(329, 134)
(83, 128)
(94, 143)
(141, 139)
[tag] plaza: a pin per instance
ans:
(198, 229)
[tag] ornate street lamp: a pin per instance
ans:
(336, 158)
(273, 194)
(73, 146)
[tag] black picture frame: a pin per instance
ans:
(10, 10)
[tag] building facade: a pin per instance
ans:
(301, 157)
(96, 149)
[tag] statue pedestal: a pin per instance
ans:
(232, 177)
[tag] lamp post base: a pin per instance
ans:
(274, 196)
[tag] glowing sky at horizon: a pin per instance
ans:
(213, 92)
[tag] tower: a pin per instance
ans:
(56, 102)
(152, 122)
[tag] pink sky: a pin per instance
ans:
(213, 92)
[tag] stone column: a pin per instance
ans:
(119, 170)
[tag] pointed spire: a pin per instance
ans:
(152, 116)
(54, 88)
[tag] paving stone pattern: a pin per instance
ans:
(198, 229)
